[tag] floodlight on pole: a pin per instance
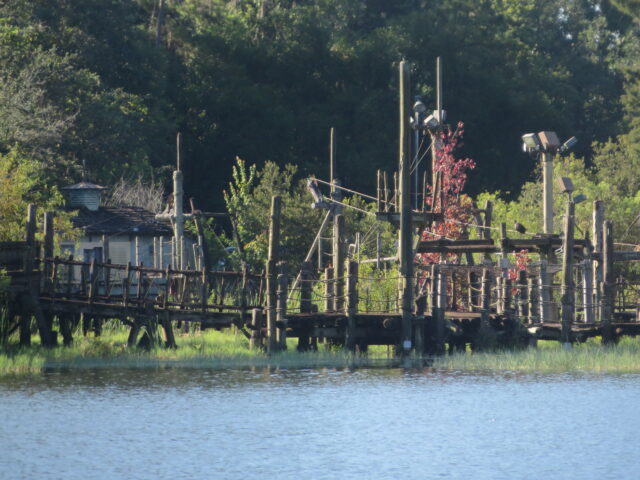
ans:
(581, 197)
(530, 143)
(568, 145)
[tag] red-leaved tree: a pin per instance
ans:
(455, 205)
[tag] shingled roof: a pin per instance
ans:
(125, 220)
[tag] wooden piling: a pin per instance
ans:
(47, 253)
(523, 295)
(351, 305)
(329, 294)
(568, 294)
(545, 293)
(271, 275)
(406, 222)
(597, 223)
(534, 306)
(608, 293)
(339, 248)
(587, 293)
(281, 305)
(31, 299)
(255, 342)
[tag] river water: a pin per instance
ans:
(317, 424)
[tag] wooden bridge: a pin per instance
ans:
(455, 305)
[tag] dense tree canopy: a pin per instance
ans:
(109, 82)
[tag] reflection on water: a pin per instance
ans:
(324, 423)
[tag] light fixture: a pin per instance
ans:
(430, 123)
(530, 142)
(549, 141)
(419, 107)
(566, 185)
(581, 197)
(443, 115)
(566, 146)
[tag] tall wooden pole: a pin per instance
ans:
(332, 159)
(608, 292)
(274, 242)
(177, 203)
(338, 262)
(547, 187)
(406, 227)
(568, 294)
(598, 221)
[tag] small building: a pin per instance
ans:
(115, 234)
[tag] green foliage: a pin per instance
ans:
(266, 80)
(248, 199)
(22, 182)
(611, 179)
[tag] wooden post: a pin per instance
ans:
(534, 307)
(437, 314)
(395, 192)
(204, 293)
(273, 254)
(137, 259)
(255, 342)
(338, 262)
(106, 259)
(126, 281)
(472, 298)
(281, 307)
(177, 204)
(25, 317)
(486, 226)
(499, 294)
(47, 252)
(155, 252)
(485, 297)
(378, 250)
(587, 292)
(47, 338)
(332, 159)
(598, 222)
(328, 290)
(608, 293)
(547, 186)
(506, 294)
(406, 221)
(379, 191)
(305, 287)
(69, 277)
(161, 252)
(305, 303)
(352, 304)
(386, 191)
(170, 338)
(320, 254)
(545, 293)
(568, 294)
(523, 296)
(442, 308)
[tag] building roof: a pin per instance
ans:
(85, 186)
(124, 220)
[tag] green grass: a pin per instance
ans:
(551, 357)
(213, 349)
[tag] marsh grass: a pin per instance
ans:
(209, 349)
(226, 349)
(550, 357)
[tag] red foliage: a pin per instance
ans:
(455, 205)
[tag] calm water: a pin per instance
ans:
(317, 424)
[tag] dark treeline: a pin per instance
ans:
(110, 82)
